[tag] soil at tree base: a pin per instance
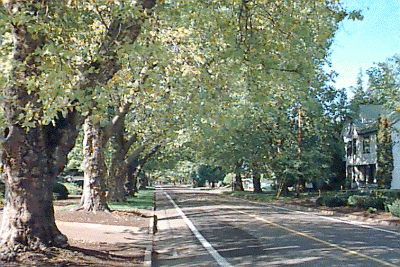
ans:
(86, 253)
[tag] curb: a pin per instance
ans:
(152, 231)
(149, 248)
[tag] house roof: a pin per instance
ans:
(368, 119)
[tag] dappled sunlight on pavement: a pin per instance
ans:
(249, 234)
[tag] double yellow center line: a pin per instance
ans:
(351, 252)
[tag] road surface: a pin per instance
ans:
(196, 228)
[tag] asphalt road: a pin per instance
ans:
(196, 228)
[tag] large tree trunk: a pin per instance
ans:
(31, 160)
(238, 183)
(116, 181)
(94, 195)
(118, 168)
(256, 182)
(131, 180)
(144, 181)
(135, 166)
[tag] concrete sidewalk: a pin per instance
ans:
(111, 234)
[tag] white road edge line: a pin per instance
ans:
(220, 260)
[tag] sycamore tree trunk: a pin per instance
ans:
(118, 167)
(31, 161)
(144, 181)
(116, 181)
(135, 167)
(94, 194)
(132, 179)
(32, 153)
(256, 182)
(238, 183)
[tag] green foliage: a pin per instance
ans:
(73, 188)
(394, 208)
(247, 84)
(374, 200)
(332, 200)
(60, 191)
(384, 154)
(203, 173)
(367, 201)
(383, 82)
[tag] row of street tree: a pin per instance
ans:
(174, 84)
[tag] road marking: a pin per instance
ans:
(351, 222)
(360, 224)
(352, 252)
(220, 260)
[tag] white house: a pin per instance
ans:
(359, 136)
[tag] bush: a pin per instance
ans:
(356, 201)
(366, 202)
(73, 188)
(60, 191)
(375, 203)
(332, 201)
(394, 208)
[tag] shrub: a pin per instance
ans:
(60, 191)
(73, 188)
(394, 208)
(375, 203)
(332, 201)
(356, 201)
(366, 202)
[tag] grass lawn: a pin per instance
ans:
(144, 199)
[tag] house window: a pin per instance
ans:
(366, 145)
(354, 146)
(349, 148)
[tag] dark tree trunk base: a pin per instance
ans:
(10, 248)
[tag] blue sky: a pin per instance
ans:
(358, 44)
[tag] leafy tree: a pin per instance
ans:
(384, 153)
(57, 56)
(384, 83)
(203, 173)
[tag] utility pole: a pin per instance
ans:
(299, 139)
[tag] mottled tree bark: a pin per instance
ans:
(31, 160)
(135, 167)
(118, 167)
(116, 181)
(238, 183)
(117, 191)
(132, 179)
(94, 195)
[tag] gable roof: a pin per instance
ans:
(368, 118)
